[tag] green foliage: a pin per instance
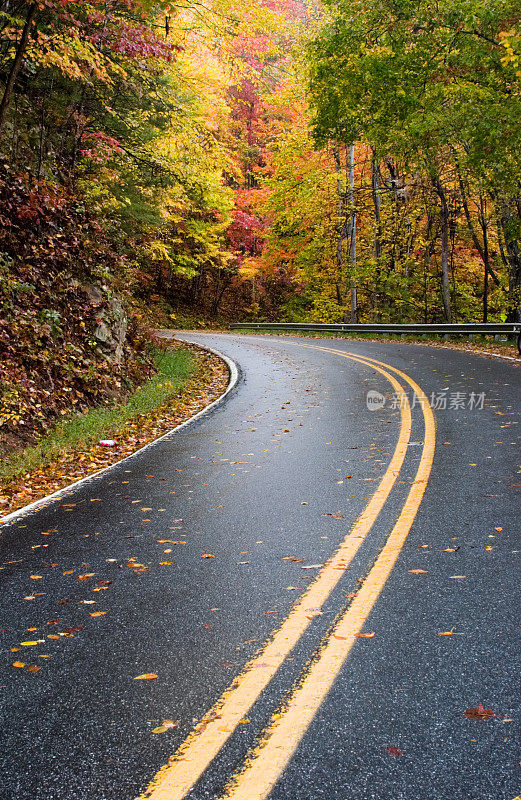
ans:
(433, 91)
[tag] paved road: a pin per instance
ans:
(211, 557)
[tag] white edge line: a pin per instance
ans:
(45, 501)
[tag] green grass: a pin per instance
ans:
(174, 367)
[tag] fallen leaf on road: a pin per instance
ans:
(19, 664)
(457, 576)
(36, 577)
(147, 676)
(86, 576)
(365, 635)
(97, 613)
(479, 713)
(290, 588)
(28, 644)
(166, 725)
(418, 571)
(33, 669)
(207, 555)
(394, 751)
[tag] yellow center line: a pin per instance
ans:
(185, 767)
(266, 762)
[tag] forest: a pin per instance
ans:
(191, 164)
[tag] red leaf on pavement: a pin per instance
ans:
(393, 751)
(479, 713)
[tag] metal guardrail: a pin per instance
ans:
(446, 329)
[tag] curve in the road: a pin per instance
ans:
(175, 780)
(267, 761)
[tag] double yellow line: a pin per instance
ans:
(266, 762)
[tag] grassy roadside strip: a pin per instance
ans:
(481, 345)
(187, 380)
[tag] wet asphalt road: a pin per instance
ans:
(262, 478)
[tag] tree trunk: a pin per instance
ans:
(513, 254)
(445, 233)
(429, 249)
(342, 232)
(352, 248)
(377, 203)
(482, 248)
(17, 63)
